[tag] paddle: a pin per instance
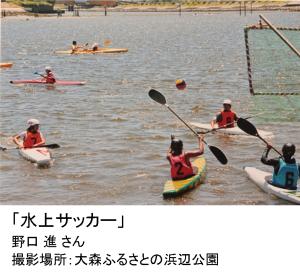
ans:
(51, 146)
(159, 98)
(250, 129)
(83, 47)
(225, 126)
(44, 77)
(107, 42)
(39, 74)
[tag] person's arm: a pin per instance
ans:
(235, 117)
(170, 150)
(266, 161)
(218, 118)
(17, 139)
(43, 140)
(196, 153)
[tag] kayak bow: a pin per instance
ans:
(174, 188)
(41, 156)
(6, 65)
(261, 179)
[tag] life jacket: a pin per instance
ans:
(287, 175)
(180, 168)
(227, 119)
(31, 139)
(50, 78)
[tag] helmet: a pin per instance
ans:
(227, 101)
(32, 122)
(48, 68)
(288, 150)
(176, 146)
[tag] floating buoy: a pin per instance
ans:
(180, 84)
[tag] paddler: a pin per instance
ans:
(181, 167)
(226, 117)
(32, 137)
(95, 47)
(50, 78)
(286, 169)
(75, 47)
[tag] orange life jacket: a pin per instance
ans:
(50, 78)
(227, 119)
(31, 139)
(180, 168)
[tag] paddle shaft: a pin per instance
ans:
(268, 144)
(40, 146)
(40, 74)
(182, 120)
(188, 126)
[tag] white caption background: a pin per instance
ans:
(248, 239)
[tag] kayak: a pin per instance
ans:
(41, 156)
(261, 178)
(173, 188)
(41, 81)
(6, 65)
(231, 131)
(102, 50)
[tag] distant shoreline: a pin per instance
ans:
(167, 7)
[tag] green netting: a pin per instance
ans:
(275, 67)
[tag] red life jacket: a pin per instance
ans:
(227, 119)
(50, 78)
(180, 168)
(31, 139)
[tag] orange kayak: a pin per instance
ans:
(6, 65)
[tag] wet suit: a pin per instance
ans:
(277, 163)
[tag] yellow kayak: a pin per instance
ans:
(6, 65)
(175, 187)
(102, 50)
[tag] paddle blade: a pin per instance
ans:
(2, 148)
(157, 96)
(52, 146)
(220, 156)
(107, 42)
(247, 127)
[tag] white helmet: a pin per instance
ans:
(227, 101)
(48, 68)
(32, 122)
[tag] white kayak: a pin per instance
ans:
(261, 178)
(41, 156)
(231, 131)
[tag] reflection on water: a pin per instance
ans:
(113, 137)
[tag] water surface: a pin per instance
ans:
(113, 137)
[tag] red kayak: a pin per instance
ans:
(42, 81)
